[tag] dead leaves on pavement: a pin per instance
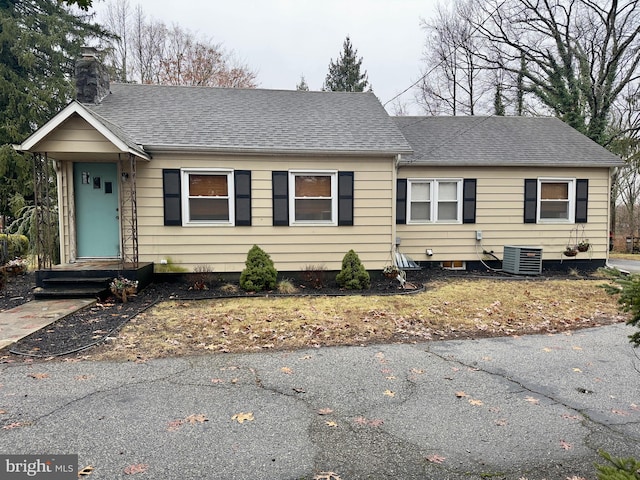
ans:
(193, 419)
(243, 417)
(137, 468)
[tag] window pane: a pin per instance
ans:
(420, 191)
(554, 191)
(421, 211)
(313, 186)
(554, 210)
(319, 210)
(216, 209)
(208, 186)
(448, 191)
(447, 211)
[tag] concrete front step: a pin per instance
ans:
(72, 287)
(67, 291)
(76, 281)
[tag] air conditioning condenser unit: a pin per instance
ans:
(522, 260)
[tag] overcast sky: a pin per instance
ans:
(284, 39)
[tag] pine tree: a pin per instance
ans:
(39, 42)
(344, 74)
(302, 85)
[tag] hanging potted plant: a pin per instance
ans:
(570, 251)
(583, 246)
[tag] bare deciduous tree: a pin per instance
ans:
(575, 56)
(148, 51)
(117, 21)
(455, 80)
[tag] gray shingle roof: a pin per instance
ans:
(223, 119)
(499, 141)
(118, 132)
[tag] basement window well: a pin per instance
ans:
(454, 265)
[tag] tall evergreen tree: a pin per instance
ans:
(344, 74)
(303, 84)
(39, 42)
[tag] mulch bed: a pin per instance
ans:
(96, 323)
(92, 325)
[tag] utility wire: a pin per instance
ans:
(441, 62)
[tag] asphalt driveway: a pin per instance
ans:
(530, 407)
(629, 266)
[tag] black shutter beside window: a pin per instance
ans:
(171, 197)
(242, 187)
(280, 198)
(582, 199)
(530, 200)
(401, 201)
(345, 198)
(469, 200)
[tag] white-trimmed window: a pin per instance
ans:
(207, 197)
(556, 200)
(313, 198)
(434, 200)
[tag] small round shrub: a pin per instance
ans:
(353, 275)
(259, 274)
(17, 245)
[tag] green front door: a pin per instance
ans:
(97, 215)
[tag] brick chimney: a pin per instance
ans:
(92, 78)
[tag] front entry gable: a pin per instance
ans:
(76, 133)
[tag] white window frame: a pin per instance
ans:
(185, 173)
(334, 196)
(571, 192)
(435, 182)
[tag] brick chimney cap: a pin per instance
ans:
(89, 52)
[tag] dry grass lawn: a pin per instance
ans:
(447, 309)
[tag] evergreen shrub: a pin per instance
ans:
(353, 275)
(17, 245)
(628, 287)
(618, 468)
(259, 274)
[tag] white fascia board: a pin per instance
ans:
(75, 107)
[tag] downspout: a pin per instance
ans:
(609, 226)
(394, 202)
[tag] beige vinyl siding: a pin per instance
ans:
(500, 216)
(224, 248)
(75, 135)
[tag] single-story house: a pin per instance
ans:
(195, 176)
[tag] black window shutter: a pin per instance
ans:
(280, 193)
(171, 196)
(242, 188)
(345, 198)
(582, 199)
(530, 200)
(401, 201)
(469, 200)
